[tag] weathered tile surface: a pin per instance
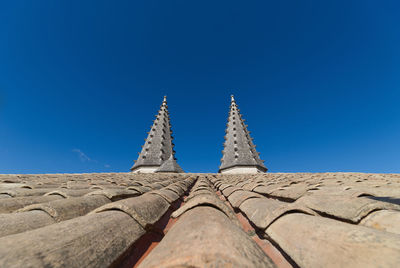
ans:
(200, 220)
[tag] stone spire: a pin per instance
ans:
(239, 154)
(158, 147)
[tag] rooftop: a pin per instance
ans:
(200, 220)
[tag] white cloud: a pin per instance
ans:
(107, 165)
(82, 156)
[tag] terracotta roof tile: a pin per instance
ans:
(145, 209)
(22, 192)
(103, 219)
(65, 209)
(268, 188)
(115, 194)
(192, 243)
(8, 186)
(140, 189)
(224, 186)
(69, 192)
(291, 192)
(13, 223)
(230, 190)
(169, 195)
(95, 240)
(343, 206)
(178, 188)
(12, 204)
(238, 197)
(386, 220)
(264, 211)
(206, 200)
(337, 244)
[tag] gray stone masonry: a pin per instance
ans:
(239, 149)
(158, 146)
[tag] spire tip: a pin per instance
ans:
(232, 98)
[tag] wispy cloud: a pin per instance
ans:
(82, 156)
(107, 166)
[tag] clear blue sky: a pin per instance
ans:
(317, 81)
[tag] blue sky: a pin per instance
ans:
(317, 81)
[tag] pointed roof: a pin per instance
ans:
(158, 146)
(170, 165)
(239, 149)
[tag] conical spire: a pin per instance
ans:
(170, 165)
(158, 146)
(239, 154)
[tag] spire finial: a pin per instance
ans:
(165, 98)
(232, 98)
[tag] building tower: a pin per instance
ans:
(158, 153)
(239, 154)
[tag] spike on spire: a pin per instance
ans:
(158, 147)
(239, 154)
